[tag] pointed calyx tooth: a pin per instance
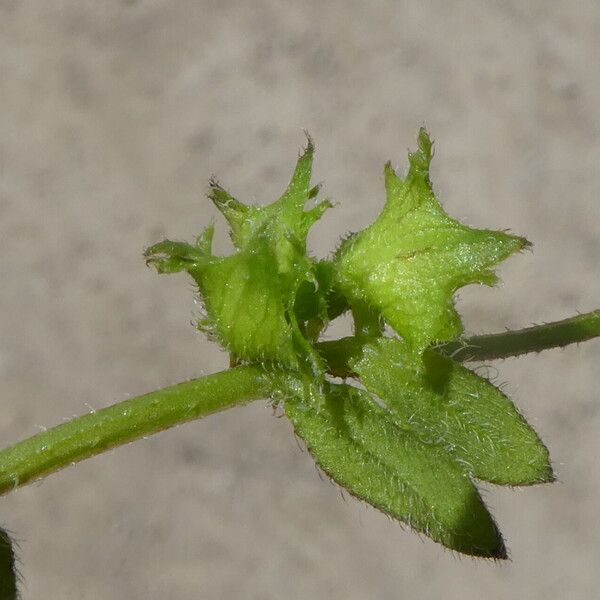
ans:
(250, 297)
(411, 260)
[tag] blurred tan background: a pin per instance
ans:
(113, 115)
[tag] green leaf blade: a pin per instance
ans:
(444, 403)
(355, 443)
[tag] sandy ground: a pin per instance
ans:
(114, 115)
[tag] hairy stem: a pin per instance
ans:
(576, 329)
(531, 339)
(120, 423)
(126, 421)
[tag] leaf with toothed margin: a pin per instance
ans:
(251, 297)
(446, 404)
(354, 441)
(411, 260)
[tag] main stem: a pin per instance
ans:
(144, 415)
(120, 423)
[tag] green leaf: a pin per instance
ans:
(411, 260)
(8, 570)
(354, 441)
(444, 403)
(253, 297)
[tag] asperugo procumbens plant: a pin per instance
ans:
(395, 419)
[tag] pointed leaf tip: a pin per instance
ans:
(420, 160)
(298, 188)
(310, 144)
(355, 443)
(171, 256)
(450, 406)
(314, 191)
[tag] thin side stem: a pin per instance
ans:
(531, 339)
(337, 353)
(120, 423)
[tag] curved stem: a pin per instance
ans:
(531, 339)
(120, 423)
(126, 421)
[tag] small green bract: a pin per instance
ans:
(410, 430)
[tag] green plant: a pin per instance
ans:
(420, 428)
